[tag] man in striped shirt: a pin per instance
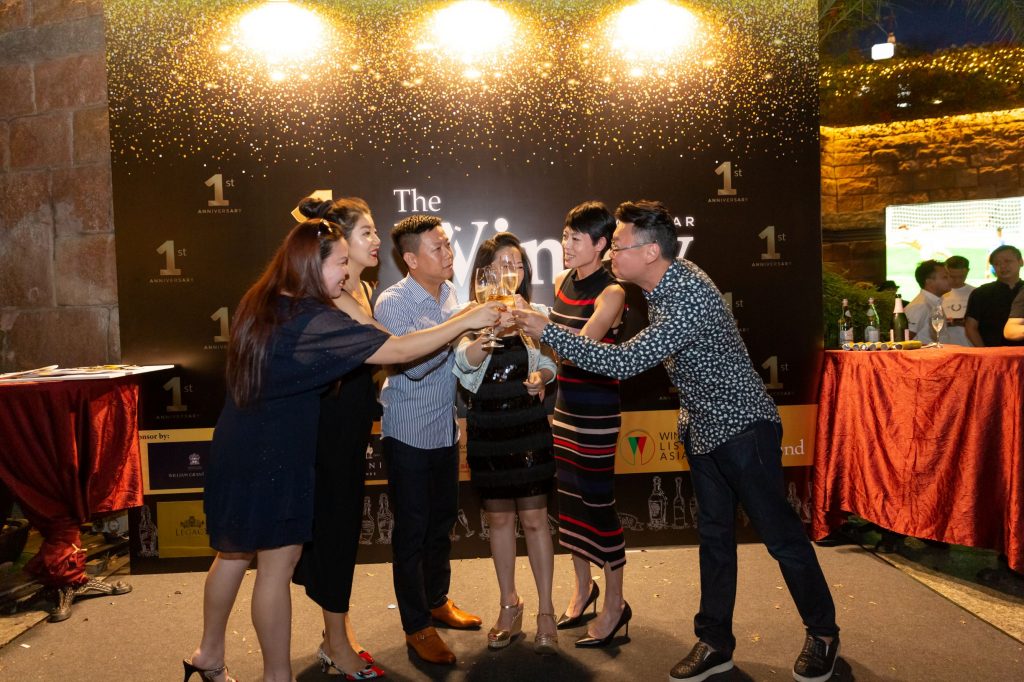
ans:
(420, 440)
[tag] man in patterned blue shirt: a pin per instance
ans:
(420, 440)
(729, 426)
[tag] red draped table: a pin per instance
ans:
(69, 450)
(927, 443)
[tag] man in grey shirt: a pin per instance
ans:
(729, 425)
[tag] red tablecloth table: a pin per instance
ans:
(69, 450)
(927, 443)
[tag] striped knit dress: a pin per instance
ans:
(586, 429)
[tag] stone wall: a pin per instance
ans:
(866, 168)
(58, 287)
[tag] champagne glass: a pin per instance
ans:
(938, 320)
(485, 286)
(509, 286)
(509, 282)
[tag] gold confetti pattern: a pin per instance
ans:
(468, 83)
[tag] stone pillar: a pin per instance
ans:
(58, 284)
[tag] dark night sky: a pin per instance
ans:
(930, 25)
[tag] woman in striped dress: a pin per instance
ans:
(586, 425)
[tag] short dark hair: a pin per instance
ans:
(925, 269)
(958, 263)
(485, 256)
(652, 224)
(593, 219)
(1000, 249)
(406, 234)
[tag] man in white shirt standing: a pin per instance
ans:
(933, 278)
(954, 301)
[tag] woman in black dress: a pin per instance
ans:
(288, 342)
(347, 411)
(509, 452)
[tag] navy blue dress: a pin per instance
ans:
(259, 483)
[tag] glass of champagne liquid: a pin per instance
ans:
(509, 282)
(938, 320)
(509, 285)
(485, 286)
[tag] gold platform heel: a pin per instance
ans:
(499, 639)
(543, 642)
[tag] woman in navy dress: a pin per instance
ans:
(288, 343)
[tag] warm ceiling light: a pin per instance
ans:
(281, 32)
(470, 30)
(653, 30)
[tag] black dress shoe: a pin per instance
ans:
(566, 621)
(701, 663)
(589, 642)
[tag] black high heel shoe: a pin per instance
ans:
(565, 621)
(209, 674)
(589, 642)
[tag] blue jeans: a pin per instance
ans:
(748, 469)
(424, 487)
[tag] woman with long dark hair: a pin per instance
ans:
(288, 342)
(509, 451)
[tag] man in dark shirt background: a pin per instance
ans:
(730, 428)
(988, 308)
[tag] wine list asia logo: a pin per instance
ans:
(648, 443)
(637, 447)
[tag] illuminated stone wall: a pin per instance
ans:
(58, 293)
(866, 168)
(58, 287)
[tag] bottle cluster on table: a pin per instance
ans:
(899, 332)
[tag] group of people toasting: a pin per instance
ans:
(285, 479)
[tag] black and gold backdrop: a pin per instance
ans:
(495, 116)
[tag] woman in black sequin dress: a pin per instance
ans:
(509, 451)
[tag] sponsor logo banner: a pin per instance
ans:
(181, 529)
(649, 442)
(174, 460)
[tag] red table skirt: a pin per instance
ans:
(69, 450)
(926, 443)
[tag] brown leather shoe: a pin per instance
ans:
(454, 617)
(429, 646)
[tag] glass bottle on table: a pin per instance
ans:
(900, 326)
(845, 325)
(872, 333)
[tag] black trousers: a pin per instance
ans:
(424, 488)
(748, 469)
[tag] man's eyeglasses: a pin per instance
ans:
(328, 230)
(615, 248)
